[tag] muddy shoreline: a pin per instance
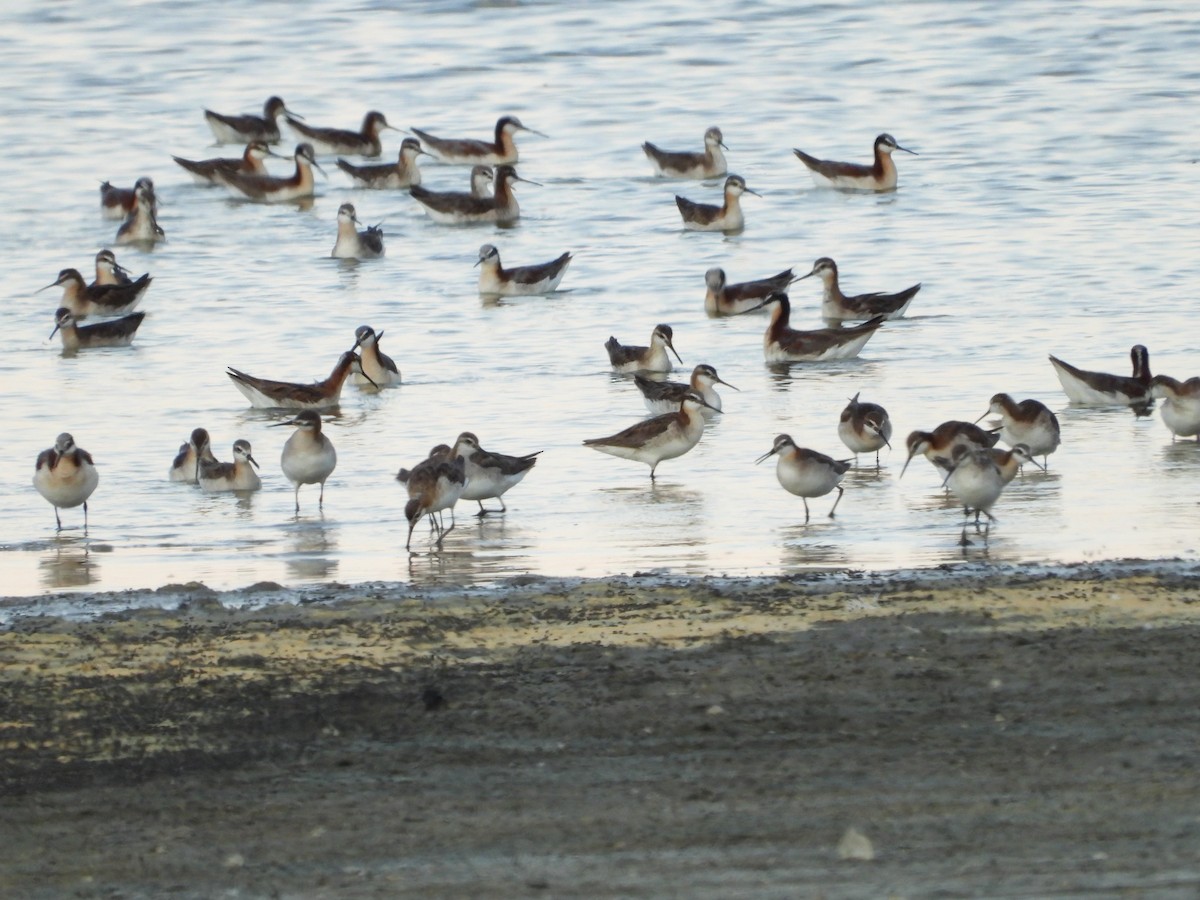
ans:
(1023, 732)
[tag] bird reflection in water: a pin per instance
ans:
(68, 563)
(313, 551)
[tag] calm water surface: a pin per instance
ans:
(1052, 209)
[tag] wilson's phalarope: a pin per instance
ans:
(939, 445)
(653, 440)
(118, 203)
(376, 367)
(206, 171)
(975, 481)
(1010, 461)
(405, 172)
(1029, 422)
(186, 465)
(628, 359)
(500, 152)
(1181, 404)
(308, 456)
(110, 333)
(1102, 389)
(837, 307)
(238, 475)
(141, 225)
(434, 484)
(490, 474)
(497, 281)
(266, 394)
(879, 176)
(66, 476)
(727, 217)
(271, 189)
(663, 397)
(243, 129)
(782, 343)
(352, 243)
(710, 163)
(466, 209)
(98, 299)
(724, 299)
(865, 428)
(332, 141)
(807, 473)
(110, 272)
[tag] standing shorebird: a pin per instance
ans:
(308, 456)
(1010, 461)
(300, 185)
(653, 440)
(1029, 422)
(66, 476)
(109, 333)
(662, 397)
(266, 394)
(467, 209)
(352, 243)
(207, 171)
(85, 300)
(975, 481)
(332, 141)
(519, 281)
(807, 473)
(186, 465)
(434, 484)
(502, 151)
(865, 428)
(376, 368)
(837, 307)
(1101, 389)
(940, 445)
(726, 217)
(1181, 404)
(141, 225)
(243, 129)
(782, 343)
(490, 474)
(724, 299)
(238, 475)
(118, 203)
(403, 173)
(878, 176)
(630, 358)
(709, 163)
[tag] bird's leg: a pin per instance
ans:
(841, 490)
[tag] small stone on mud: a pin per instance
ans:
(855, 845)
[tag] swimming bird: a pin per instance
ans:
(975, 481)
(352, 243)
(141, 225)
(98, 299)
(109, 271)
(1010, 461)
(807, 473)
(865, 428)
(1181, 404)
(663, 437)
(242, 129)
(1029, 422)
(403, 173)
(331, 141)
(502, 151)
(490, 474)
(1101, 389)
(308, 455)
(630, 358)
(109, 333)
(837, 307)
(434, 484)
(118, 203)
(879, 176)
(205, 171)
(709, 163)
(186, 465)
(782, 343)
(724, 299)
(238, 475)
(497, 281)
(662, 397)
(65, 475)
(377, 368)
(300, 185)
(726, 217)
(266, 394)
(939, 445)
(450, 208)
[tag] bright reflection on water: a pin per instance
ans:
(1051, 210)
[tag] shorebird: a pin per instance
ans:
(352, 243)
(662, 397)
(490, 474)
(1010, 461)
(782, 343)
(939, 445)
(807, 473)
(434, 484)
(238, 475)
(376, 368)
(497, 281)
(242, 129)
(98, 299)
(110, 272)
(206, 171)
(865, 428)
(266, 394)
(1181, 404)
(466, 209)
(1102, 389)
(975, 481)
(709, 163)
(663, 437)
(332, 141)
(1029, 422)
(837, 307)
(879, 176)
(726, 217)
(724, 299)
(308, 456)
(403, 173)
(141, 225)
(272, 189)
(110, 333)
(186, 465)
(627, 359)
(66, 476)
(118, 203)
(499, 152)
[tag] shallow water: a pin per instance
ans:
(1051, 210)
